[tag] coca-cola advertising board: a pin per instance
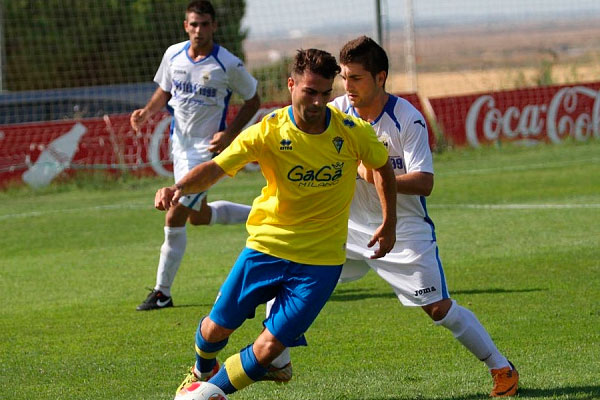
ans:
(528, 116)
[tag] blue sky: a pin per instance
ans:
(268, 17)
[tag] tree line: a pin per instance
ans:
(70, 43)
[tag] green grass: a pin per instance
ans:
(519, 235)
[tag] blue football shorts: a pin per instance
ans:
(300, 292)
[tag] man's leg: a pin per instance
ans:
(415, 272)
(467, 329)
(211, 338)
(249, 365)
(171, 254)
(225, 212)
(233, 306)
(280, 369)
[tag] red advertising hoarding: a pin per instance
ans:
(38, 152)
(528, 116)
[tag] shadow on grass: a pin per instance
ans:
(496, 290)
(581, 393)
(361, 294)
(205, 305)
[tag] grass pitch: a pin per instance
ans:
(519, 236)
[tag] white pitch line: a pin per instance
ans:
(135, 206)
(140, 206)
(512, 168)
(515, 206)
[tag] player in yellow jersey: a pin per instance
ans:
(308, 153)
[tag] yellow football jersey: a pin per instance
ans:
(302, 213)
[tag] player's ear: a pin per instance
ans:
(380, 78)
(290, 84)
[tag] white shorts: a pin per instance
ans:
(413, 268)
(182, 167)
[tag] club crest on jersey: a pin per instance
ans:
(385, 139)
(285, 144)
(206, 77)
(338, 142)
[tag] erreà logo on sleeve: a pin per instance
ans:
(285, 144)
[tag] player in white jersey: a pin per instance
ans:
(413, 268)
(196, 80)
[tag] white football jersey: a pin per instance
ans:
(200, 94)
(403, 130)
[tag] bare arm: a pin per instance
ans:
(158, 100)
(385, 234)
(197, 180)
(417, 183)
(222, 139)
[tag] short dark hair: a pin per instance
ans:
(200, 7)
(365, 51)
(317, 61)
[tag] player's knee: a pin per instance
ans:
(213, 332)
(176, 216)
(438, 310)
(200, 217)
(267, 347)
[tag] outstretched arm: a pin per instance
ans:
(199, 179)
(221, 139)
(385, 235)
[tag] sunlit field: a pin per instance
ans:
(519, 237)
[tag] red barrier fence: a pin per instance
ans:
(38, 152)
(548, 114)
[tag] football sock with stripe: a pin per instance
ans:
(240, 370)
(467, 329)
(206, 352)
(171, 253)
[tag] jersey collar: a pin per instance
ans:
(213, 52)
(387, 108)
(327, 117)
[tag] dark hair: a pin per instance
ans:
(317, 61)
(365, 51)
(200, 7)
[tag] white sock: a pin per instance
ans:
(171, 253)
(225, 212)
(285, 357)
(467, 329)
